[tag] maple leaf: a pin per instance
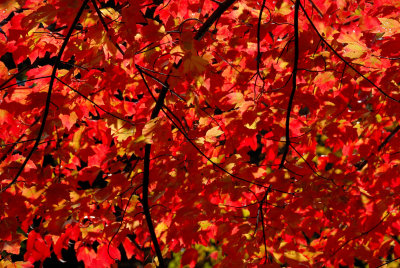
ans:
(213, 133)
(149, 129)
(190, 257)
(68, 120)
(193, 64)
(37, 249)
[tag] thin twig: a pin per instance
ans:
(259, 54)
(122, 221)
(343, 60)
(106, 27)
(361, 235)
(385, 263)
(23, 81)
(95, 104)
(316, 8)
(262, 221)
(361, 165)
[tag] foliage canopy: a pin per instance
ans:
(236, 133)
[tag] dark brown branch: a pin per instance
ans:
(388, 138)
(146, 168)
(385, 263)
(294, 83)
(145, 200)
(48, 99)
(27, 80)
(259, 54)
(214, 16)
(317, 9)
(106, 27)
(12, 77)
(260, 209)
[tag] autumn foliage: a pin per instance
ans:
(247, 133)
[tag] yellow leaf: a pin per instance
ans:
(285, 9)
(235, 98)
(3, 116)
(32, 193)
(252, 125)
(76, 140)
(246, 213)
(354, 50)
(120, 129)
(216, 159)
(110, 13)
(18, 264)
(295, 256)
(391, 26)
(213, 133)
(161, 227)
(8, 5)
(200, 141)
(140, 139)
(378, 118)
(149, 128)
(204, 225)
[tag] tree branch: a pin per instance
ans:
(388, 138)
(106, 27)
(214, 16)
(146, 169)
(387, 262)
(294, 83)
(48, 99)
(316, 8)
